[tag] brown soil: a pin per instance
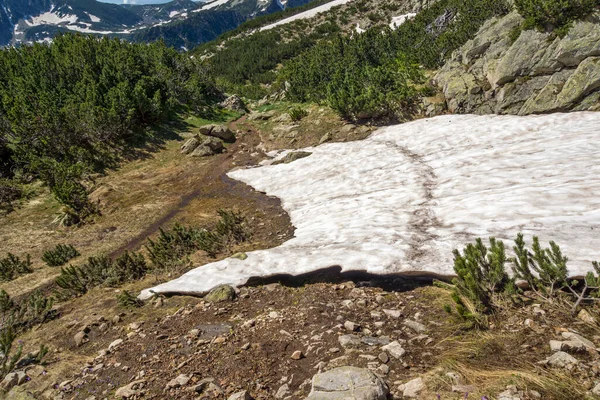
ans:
(310, 318)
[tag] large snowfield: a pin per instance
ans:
(404, 198)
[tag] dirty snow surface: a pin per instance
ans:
(401, 200)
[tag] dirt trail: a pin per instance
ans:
(215, 184)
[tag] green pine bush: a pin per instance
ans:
(10, 193)
(101, 271)
(60, 255)
(481, 280)
(127, 300)
(297, 113)
(12, 267)
(554, 14)
(127, 267)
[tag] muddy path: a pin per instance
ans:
(213, 185)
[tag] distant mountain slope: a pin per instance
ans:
(181, 23)
(198, 28)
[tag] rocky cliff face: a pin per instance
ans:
(534, 74)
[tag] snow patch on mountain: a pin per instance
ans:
(306, 14)
(51, 18)
(399, 20)
(212, 5)
(93, 18)
(404, 198)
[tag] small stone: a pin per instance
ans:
(412, 388)
(415, 326)
(297, 355)
(282, 392)
(394, 349)
(347, 341)
(560, 360)
(9, 381)
(586, 317)
(351, 326)
(383, 357)
(243, 395)
(383, 369)
(130, 390)
(464, 388)
(249, 324)
(181, 380)
(246, 346)
(115, 344)
(80, 338)
(393, 313)
(194, 333)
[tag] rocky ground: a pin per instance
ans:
(374, 339)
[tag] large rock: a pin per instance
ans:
(208, 147)
(220, 293)
(234, 103)
(218, 131)
(261, 116)
(347, 383)
(190, 145)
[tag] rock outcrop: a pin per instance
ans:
(533, 74)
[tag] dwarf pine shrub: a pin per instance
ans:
(12, 266)
(126, 299)
(60, 255)
(297, 113)
(127, 267)
(554, 14)
(101, 270)
(10, 193)
(9, 358)
(171, 246)
(481, 279)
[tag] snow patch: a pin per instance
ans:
(306, 14)
(212, 5)
(401, 200)
(52, 18)
(173, 13)
(399, 20)
(359, 29)
(93, 17)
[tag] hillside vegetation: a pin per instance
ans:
(74, 107)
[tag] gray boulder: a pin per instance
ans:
(347, 383)
(220, 293)
(218, 131)
(224, 133)
(261, 116)
(234, 103)
(208, 147)
(190, 145)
